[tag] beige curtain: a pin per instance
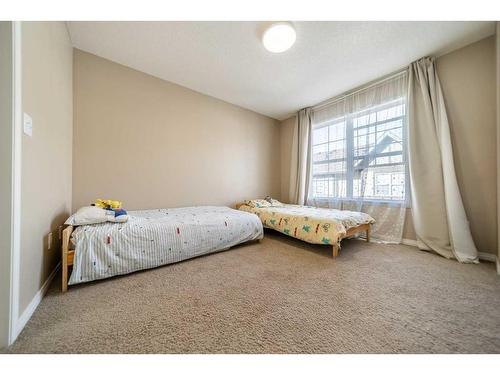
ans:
(438, 212)
(301, 156)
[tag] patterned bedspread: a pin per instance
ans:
(152, 238)
(310, 224)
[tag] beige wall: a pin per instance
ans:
(151, 143)
(468, 79)
(46, 156)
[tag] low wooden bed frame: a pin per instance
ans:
(350, 232)
(67, 256)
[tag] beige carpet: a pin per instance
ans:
(279, 296)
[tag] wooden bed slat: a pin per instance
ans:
(71, 256)
(67, 256)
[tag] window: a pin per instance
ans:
(361, 155)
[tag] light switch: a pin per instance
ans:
(28, 124)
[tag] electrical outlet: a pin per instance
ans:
(27, 124)
(60, 232)
(49, 241)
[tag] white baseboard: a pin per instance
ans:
(488, 257)
(28, 312)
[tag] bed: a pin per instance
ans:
(152, 238)
(312, 224)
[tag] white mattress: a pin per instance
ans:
(152, 238)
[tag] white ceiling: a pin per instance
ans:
(227, 60)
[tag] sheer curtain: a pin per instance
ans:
(359, 155)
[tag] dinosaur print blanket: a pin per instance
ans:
(310, 224)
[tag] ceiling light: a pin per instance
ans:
(279, 37)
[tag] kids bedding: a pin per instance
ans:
(306, 223)
(151, 238)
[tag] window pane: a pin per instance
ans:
(362, 120)
(320, 135)
(337, 167)
(396, 159)
(382, 160)
(382, 183)
(320, 169)
(393, 147)
(336, 150)
(320, 152)
(375, 164)
(337, 131)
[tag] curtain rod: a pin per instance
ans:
(358, 89)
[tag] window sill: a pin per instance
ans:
(368, 201)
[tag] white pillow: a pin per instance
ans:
(274, 202)
(257, 203)
(94, 215)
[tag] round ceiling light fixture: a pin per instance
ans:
(279, 37)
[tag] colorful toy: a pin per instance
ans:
(108, 204)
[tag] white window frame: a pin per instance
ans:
(349, 159)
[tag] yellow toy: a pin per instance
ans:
(108, 204)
